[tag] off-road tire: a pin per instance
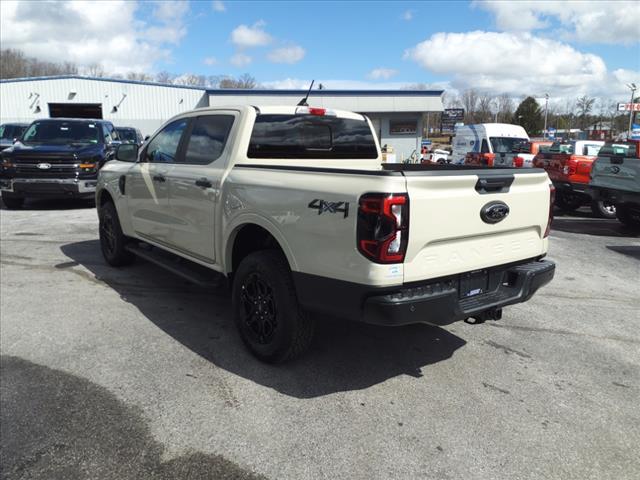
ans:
(112, 240)
(627, 218)
(603, 209)
(567, 203)
(269, 319)
(12, 202)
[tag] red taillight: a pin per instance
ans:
(552, 199)
(518, 162)
(488, 159)
(383, 227)
(317, 111)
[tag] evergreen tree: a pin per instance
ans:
(529, 115)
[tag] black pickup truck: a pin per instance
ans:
(56, 158)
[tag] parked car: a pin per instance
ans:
(9, 132)
(489, 144)
(615, 178)
(130, 135)
(569, 166)
(294, 207)
(55, 158)
(436, 156)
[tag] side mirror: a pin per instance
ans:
(127, 152)
(147, 137)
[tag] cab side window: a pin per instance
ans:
(163, 148)
(208, 138)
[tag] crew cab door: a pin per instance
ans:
(194, 184)
(147, 184)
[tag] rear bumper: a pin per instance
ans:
(435, 301)
(614, 196)
(570, 187)
(49, 187)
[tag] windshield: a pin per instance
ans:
(127, 134)
(62, 132)
(624, 149)
(509, 144)
(9, 132)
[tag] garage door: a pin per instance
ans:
(75, 110)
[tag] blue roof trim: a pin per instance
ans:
(327, 93)
(238, 91)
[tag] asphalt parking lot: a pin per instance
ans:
(133, 373)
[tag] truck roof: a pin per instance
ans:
(496, 129)
(282, 110)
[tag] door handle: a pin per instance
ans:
(159, 178)
(204, 183)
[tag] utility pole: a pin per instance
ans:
(633, 88)
(546, 108)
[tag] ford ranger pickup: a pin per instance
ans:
(293, 207)
(615, 178)
(569, 166)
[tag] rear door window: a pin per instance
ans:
(309, 136)
(208, 138)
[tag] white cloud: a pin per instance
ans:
(210, 61)
(244, 36)
(587, 21)
(407, 15)
(382, 73)
(240, 60)
(515, 63)
(218, 6)
(103, 32)
(291, 54)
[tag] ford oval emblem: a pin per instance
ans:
(615, 169)
(44, 166)
(494, 212)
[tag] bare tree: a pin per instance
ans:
(244, 81)
(505, 108)
(14, 64)
(139, 76)
(191, 79)
(469, 101)
(165, 77)
(484, 109)
(95, 70)
(584, 105)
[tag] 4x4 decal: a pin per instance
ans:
(331, 207)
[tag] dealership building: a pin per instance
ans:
(395, 114)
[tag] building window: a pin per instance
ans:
(403, 127)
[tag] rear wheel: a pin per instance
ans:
(270, 322)
(567, 203)
(628, 217)
(112, 240)
(604, 209)
(11, 201)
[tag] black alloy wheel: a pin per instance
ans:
(259, 308)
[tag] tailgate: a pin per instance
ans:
(617, 173)
(447, 234)
(554, 164)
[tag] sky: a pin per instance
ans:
(562, 48)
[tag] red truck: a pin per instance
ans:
(568, 165)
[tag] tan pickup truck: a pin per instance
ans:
(293, 206)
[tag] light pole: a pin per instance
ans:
(633, 88)
(546, 108)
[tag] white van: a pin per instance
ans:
(502, 139)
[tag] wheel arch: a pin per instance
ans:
(250, 236)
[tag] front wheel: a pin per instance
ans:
(628, 217)
(112, 240)
(601, 208)
(267, 314)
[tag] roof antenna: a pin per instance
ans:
(303, 102)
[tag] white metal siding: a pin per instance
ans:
(145, 106)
